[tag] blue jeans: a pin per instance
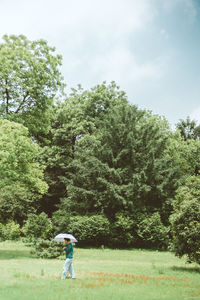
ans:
(68, 267)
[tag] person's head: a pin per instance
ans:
(67, 241)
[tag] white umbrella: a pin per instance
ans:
(61, 236)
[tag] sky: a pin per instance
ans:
(150, 48)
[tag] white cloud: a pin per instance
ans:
(121, 65)
(104, 18)
(92, 36)
(129, 41)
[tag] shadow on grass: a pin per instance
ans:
(15, 254)
(186, 269)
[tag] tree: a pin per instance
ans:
(82, 113)
(185, 220)
(183, 157)
(29, 81)
(21, 176)
(188, 129)
(121, 166)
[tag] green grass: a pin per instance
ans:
(101, 274)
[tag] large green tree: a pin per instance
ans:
(107, 156)
(30, 79)
(21, 176)
(122, 167)
(185, 220)
(82, 113)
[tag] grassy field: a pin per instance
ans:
(101, 274)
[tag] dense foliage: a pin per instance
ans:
(21, 175)
(153, 232)
(189, 129)
(90, 230)
(47, 248)
(185, 220)
(29, 81)
(91, 164)
(38, 226)
(10, 231)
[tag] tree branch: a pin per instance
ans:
(23, 101)
(7, 97)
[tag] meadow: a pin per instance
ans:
(101, 274)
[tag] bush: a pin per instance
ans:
(47, 248)
(153, 233)
(122, 231)
(185, 221)
(10, 231)
(38, 226)
(89, 230)
(60, 220)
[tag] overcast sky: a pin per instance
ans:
(151, 48)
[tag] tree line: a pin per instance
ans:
(90, 162)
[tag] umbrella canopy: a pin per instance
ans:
(61, 236)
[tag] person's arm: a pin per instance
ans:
(68, 249)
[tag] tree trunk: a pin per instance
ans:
(7, 97)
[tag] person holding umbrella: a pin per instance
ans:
(68, 248)
(68, 265)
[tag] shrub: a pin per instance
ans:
(10, 231)
(153, 233)
(47, 248)
(185, 221)
(89, 230)
(38, 226)
(122, 232)
(60, 220)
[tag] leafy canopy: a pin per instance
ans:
(185, 220)
(29, 81)
(22, 182)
